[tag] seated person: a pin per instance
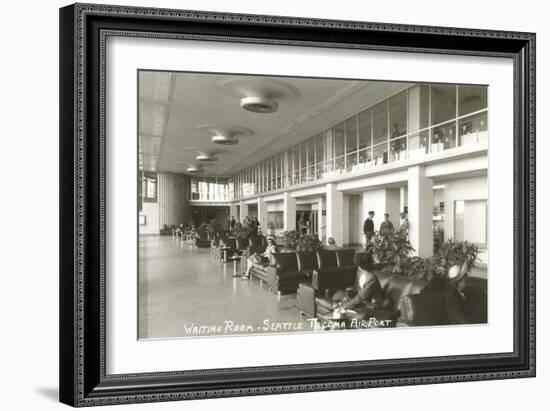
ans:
(262, 259)
(369, 294)
(331, 245)
(463, 304)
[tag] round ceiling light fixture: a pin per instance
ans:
(192, 168)
(259, 104)
(225, 140)
(206, 157)
(195, 169)
(224, 134)
(259, 94)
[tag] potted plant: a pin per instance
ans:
(392, 251)
(308, 242)
(448, 254)
(454, 252)
(301, 242)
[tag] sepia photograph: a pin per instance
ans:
(271, 204)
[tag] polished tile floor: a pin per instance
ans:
(183, 292)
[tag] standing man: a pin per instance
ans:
(386, 227)
(302, 226)
(368, 227)
(404, 224)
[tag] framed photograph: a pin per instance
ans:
(262, 204)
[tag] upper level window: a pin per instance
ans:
(443, 103)
(213, 189)
(364, 124)
(351, 134)
(398, 115)
(380, 122)
(471, 99)
(320, 148)
(339, 131)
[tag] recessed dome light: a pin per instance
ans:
(225, 140)
(206, 157)
(193, 169)
(259, 104)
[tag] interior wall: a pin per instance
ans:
(151, 213)
(355, 220)
(172, 206)
(475, 210)
(346, 220)
(474, 188)
(438, 198)
(253, 210)
(384, 200)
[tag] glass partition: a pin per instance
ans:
(212, 189)
(398, 115)
(380, 122)
(471, 99)
(443, 103)
(365, 128)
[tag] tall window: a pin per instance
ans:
(364, 123)
(471, 99)
(212, 189)
(443, 103)
(380, 123)
(149, 187)
(398, 115)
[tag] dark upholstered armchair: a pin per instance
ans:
(241, 243)
(201, 239)
(283, 274)
(229, 245)
(307, 262)
(256, 245)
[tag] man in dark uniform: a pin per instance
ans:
(368, 227)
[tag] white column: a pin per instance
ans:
(335, 207)
(403, 198)
(321, 219)
(345, 220)
(420, 203)
(414, 108)
(289, 212)
(262, 215)
(243, 211)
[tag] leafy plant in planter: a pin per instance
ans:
(241, 231)
(448, 254)
(454, 252)
(392, 250)
(301, 242)
(420, 268)
(309, 242)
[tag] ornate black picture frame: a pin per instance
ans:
(83, 30)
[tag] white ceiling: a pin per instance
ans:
(174, 106)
